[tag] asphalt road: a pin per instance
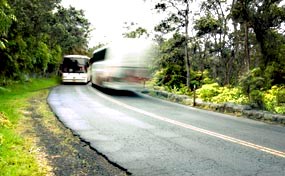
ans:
(148, 136)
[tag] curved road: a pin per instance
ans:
(148, 136)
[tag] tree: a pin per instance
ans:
(170, 66)
(179, 11)
(34, 43)
(213, 27)
(264, 17)
(71, 30)
(6, 18)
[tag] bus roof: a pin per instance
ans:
(76, 56)
(101, 48)
(122, 43)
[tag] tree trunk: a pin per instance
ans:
(246, 48)
(187, 63)
(187, 60)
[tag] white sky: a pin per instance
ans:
(108, 16)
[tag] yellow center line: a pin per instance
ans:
(218, 135)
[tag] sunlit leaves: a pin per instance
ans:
(6, 19)
(207, 24)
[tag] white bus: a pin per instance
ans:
(75, 69)
(122, 65)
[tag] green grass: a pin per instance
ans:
(16, 157)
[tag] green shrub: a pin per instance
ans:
(183, 90)
(166, 77)
(274, 99)
(280, 109)
(253, 84)
(281, 95)
(206, 78)
(233, 95)
(216, 94)
(256, 98)
(208, 91)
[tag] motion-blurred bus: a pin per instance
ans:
(75, 69)
(122, 65)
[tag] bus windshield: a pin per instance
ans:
(74, 65)
(75, 68)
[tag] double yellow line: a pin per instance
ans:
(218, 135)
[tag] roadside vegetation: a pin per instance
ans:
(226, 50)
(33, 142)
(232, 51)
(17, 154)
(35, 34)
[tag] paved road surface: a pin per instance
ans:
(148, 136)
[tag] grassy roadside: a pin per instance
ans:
(18, 156)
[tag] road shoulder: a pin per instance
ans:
(57, 149)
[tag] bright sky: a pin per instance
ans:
(108, 16)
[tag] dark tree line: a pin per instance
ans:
(34, 34)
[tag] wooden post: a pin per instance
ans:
(194, 96)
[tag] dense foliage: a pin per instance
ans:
(239, 45)
(34, 34)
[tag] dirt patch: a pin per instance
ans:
(57, 149)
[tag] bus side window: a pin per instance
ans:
(99, 56)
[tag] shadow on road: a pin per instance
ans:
(115, 92)
(73, 83)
